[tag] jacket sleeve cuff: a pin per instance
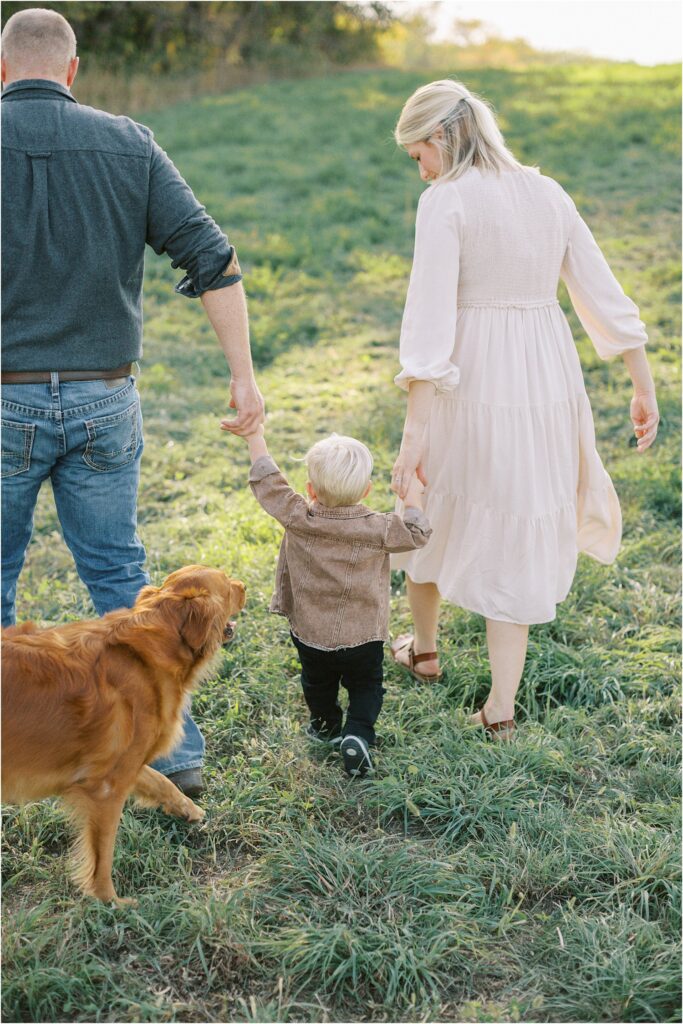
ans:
(265, 466)
(414, 517)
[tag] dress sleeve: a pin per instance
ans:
(431, 309)
(609, 317)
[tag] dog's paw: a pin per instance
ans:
(193, 813)
(124, 901)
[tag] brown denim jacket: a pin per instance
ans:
(333, 577)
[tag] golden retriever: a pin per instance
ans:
(87, 706)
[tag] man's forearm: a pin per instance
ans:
(226, 308)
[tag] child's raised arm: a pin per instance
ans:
(268, 485)
(257, 444)
(256, 440)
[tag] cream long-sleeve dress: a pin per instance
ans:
(515, 487)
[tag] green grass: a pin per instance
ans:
(467, 881)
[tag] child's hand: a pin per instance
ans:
(414, 493)
(257, 443)
(258, 431)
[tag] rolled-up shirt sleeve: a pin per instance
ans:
(179, 225)
(431, 309)
(611, 320)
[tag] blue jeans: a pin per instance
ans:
(86, 437)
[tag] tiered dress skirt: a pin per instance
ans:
(516, 487)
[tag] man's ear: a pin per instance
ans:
(72, 71)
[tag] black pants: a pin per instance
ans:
(359, 670)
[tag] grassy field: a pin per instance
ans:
(466, 881)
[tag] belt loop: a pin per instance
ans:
(54, 385)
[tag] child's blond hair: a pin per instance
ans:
(339, 469)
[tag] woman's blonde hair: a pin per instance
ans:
(469, 135)
(339, 469)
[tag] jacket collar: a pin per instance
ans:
(37, 88)
(341, 511)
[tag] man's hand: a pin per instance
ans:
(248, 401)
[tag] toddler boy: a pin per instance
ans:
(333, 583)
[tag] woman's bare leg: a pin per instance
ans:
(507, 643)
(424, 600)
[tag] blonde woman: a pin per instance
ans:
(498, 427)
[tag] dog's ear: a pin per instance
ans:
(146, 597)
(238, 596)
(19, 630)
(199, 620)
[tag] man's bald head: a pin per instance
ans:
(38, 43)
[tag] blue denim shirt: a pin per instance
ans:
(83, 193)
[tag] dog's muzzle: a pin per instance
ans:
(229, 633)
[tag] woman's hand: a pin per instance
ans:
(645, 418)
(408, 463)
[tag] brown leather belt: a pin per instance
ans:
(45, 376)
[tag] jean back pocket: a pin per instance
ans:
(17, 445)
(113, 441)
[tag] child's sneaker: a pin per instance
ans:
(356, 756)
(324, 734)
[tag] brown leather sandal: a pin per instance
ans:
(500, 731)
(405, 643)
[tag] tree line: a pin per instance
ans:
(201, 33)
